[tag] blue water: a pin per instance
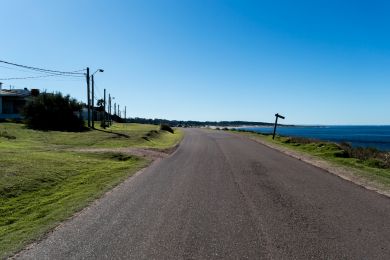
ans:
(365, 136)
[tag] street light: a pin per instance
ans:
(93, 95)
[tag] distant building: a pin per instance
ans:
(12, 102)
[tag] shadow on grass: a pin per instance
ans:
(110, 132)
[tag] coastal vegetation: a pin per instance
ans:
(46, 176)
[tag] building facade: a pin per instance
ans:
(12, 102)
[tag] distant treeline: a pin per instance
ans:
(180, 123)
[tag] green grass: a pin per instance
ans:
(331, 153)
(42, 181)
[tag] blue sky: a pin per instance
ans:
(316, 62)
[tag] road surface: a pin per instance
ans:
(221, 196)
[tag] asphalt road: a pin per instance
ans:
(221, 196)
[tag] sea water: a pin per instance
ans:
(364, 136)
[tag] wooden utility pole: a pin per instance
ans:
(125, 113)
(109, 109)
(276, 123)
(88, 100)
(114, 108)
(104, 109)
(93, 100)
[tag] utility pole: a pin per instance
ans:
(119, 112)
(125, 113)
(114, 108)
(276, 123)
(93, 100)
(109, 108)
(104, 110)
(88, 100)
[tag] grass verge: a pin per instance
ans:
(334, 154)
(43, 182)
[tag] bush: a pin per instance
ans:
(166, 127)
(49, 111)
(117, 119)
(376, 163)
(371, 156)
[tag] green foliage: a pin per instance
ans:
(370, 156)
(100, 105)
(118, 119)
(53, 111)
(166, 127)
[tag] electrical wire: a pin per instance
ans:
(43, 76)
(22, 70)
(76, 72)
(97, 90)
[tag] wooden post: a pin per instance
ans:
(104, 110)
(93, 100)
(276, 123)
(88, 99)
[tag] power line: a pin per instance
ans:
(43, 76)
(41, 72)
(22, 70)
(77, 72)
(97, 90)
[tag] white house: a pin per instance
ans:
(12, 102)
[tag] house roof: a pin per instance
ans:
(15, 93)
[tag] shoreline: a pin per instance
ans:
(382, 145)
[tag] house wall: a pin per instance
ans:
(11, 107)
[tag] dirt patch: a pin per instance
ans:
(151, 154)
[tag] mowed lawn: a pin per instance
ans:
(44, 180)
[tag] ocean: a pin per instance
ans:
(364, 136)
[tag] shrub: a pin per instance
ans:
(53, 111)
(376, 163)
(166, 127)
(117, 119)
(372, 156)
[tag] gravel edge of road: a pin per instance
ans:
(345, 173)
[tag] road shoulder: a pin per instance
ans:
(346, 173)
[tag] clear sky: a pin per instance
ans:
(316, 62)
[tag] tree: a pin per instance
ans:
(100, 104)
(53, 111)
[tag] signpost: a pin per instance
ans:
(276, 123)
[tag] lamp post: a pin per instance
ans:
(93, 95)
